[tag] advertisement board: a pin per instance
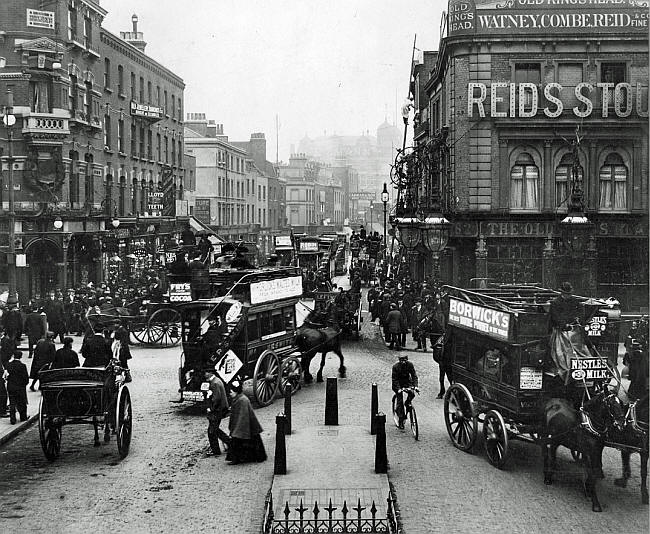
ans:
(202, 210)
(40, 19)
(494, 323)
(283, 241)
(280, 288)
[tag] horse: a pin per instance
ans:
(320, 333)
(562, 425)
(637, 412)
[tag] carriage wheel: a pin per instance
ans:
(266, 378)
(124, 418)
(164, 328)
(495, 438)
(460, 419)
(50, 435)
(290, 373)
(139, 332)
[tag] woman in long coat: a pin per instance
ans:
(245, 440)
(44, 353)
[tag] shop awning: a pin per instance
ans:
(198, 226)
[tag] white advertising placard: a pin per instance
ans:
(280, 288)
(228, 366)
(530, 378)
(40, 19)
(494, 323)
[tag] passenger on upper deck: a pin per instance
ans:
(564, 309)
(241, 261)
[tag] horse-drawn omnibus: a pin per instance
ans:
(245, 328)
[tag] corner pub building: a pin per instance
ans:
(525, 87)
(96, 150)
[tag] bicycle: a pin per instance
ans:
(409, 409)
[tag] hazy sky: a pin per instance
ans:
(322, 65)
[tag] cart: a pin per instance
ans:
(156, 324)
(246, 329)
(498, 346)
(350, 319)
(84, 395)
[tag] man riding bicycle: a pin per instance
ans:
(404, 376)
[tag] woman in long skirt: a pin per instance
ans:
(245, 440)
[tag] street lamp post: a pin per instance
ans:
(9, 119)
(384, 199)
(372, 206)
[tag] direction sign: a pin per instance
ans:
(228, 366)
(362, 195)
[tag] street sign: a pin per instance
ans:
(362, 195)
(228, 366)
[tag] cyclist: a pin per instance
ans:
(404, 376)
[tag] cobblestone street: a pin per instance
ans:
(169, 484)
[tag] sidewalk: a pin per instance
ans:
(330, 462)
(7, 430)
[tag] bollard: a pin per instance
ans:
(374, 408)
(331, 402)
(381, 457)
(280, 463)
(288, 390)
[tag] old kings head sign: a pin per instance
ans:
(44, 170)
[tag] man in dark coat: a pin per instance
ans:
(217, 409)
(66, 356)
(395, 324)
(95, 351)
(7, 348)
(35, 329)
(17, 380)
(56, 317)
(44, 354)
(355, 285)
(12, 322)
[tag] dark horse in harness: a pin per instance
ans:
(320, 333)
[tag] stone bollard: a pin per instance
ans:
(287, 406)
(374, 408)
(280, 463)
(381, 457)
(331, 402)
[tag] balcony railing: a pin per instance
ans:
(37, 123)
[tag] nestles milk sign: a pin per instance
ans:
(494, 323)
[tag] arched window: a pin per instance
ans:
(121, 210)
(613, 183)
(524, 183)
(563, 178)
(74, 179)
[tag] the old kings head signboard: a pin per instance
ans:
(527, 17)
(494, 323)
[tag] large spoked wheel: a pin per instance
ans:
(266, 378)
(124, 421)
(460, 419)
(50, 435)
(413, 419)
(139, 331)
(164, 328)
(394, 409)
(495, 438)
(290, 372)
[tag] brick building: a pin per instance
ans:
(97, 148)
(544, 103)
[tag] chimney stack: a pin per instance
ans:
(134, 38)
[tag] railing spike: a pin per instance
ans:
(344, 510)
(315, 511)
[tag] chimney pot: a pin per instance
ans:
(134, 19)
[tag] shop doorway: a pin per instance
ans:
(43, 259)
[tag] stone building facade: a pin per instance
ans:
(543, 100)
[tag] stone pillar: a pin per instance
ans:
(548, 193)
(66, 243)
(592, 186)
(591, 265)
(504, 174)
(548, 263)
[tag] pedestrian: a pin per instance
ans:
(44, 354)
(17, 380)
(35, 327)
(7, 348)
(3, 392)
(395, 324)
(120, 349)
(245, 439)
(66, 357)
(95, 351)
(217, 409)
(12, 321)
(55, 316)
(416, 317)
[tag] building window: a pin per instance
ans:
(120, 79)
(88, 33)
(165, 102)
(120, 135)
(613, 184)
(158, 147)
(528, 73)
(141, 153)
(133, 86)
(141, 89)
(107, 131)
(173, 153)
(121, 201)
(74, 179)
(264, 192)
(524, 183)
(73, 94)
(569, 75)
(107, 72)
(149, 93)
(166, 150)
(149, 144)
(157, 95)
(88, 100)
(40, 96)
(612, 72)
(134, 140)
(72, 23)
(134, 198)
(563, 178)
(173, 113)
